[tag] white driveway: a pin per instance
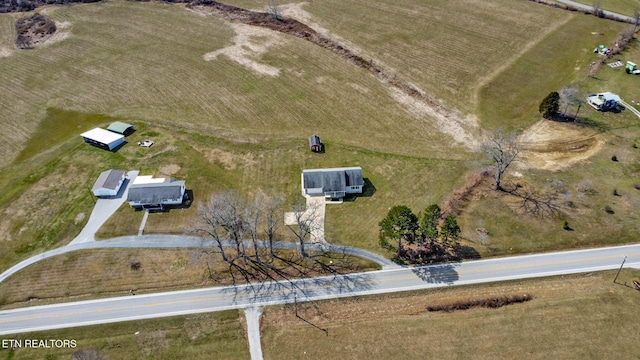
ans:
(314, 213)
(102, 211)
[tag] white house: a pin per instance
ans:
(103, 139)
(333, 183)
(147, 192)
(603, 101)
(109, 183)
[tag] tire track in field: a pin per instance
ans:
(418, 102)
(543, 34)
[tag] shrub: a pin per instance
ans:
(615, 192)
(565, 225)
(608, 210)
(614, 158)
(493, 303)
(637, 186)
(135, 265)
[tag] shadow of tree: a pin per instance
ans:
(466, 252)
(437, 274)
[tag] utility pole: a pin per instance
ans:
(616, 278)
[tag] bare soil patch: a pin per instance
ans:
(250, 42)
(33, 30)
(551, 145)
(170, 169)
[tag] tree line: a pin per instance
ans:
(427, 237)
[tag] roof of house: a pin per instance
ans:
(333, 179)
(119, 127)
(600, 99)
(109, 179)
(314, 140)
(101, 135)
(155, 193)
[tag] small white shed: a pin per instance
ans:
(109, 183)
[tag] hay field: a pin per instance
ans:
(448, 49)
(218, 335)
(570, 317)
(128, 60)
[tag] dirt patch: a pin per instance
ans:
(79, 218)
(33, 30)
(551, 145)
(170, 169)
(228, 160)
(249, 43)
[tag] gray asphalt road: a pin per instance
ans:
(385, 281)
(585, 7)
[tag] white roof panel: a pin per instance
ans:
(101, 135)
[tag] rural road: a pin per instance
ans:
(585, 7)
(384, 281)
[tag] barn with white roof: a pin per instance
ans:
(103, 139)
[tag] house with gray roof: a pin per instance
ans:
(333, 183)
(155, 193)
(109, 183)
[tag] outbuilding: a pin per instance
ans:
(103, 139)
(333, 183)
(147, 192)
(109, 183)
(119, 127)
(314, 143)
(603, 101)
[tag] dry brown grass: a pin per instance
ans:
(573, 316)
(113, 272)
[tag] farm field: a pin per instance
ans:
(231, 106)
(220, 335)
(563, 313)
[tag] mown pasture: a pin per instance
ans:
(219, 335)
(221, 125)
(570, 317)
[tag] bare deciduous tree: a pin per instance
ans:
(304, 221)
(274, 10)
(503, 149)
(272, 219)
(597, 10)
(568, 97)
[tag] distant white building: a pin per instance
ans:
(102, 138)
(147, 192)
(603, 101)
(333, 182)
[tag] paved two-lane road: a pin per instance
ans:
(384, 281)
